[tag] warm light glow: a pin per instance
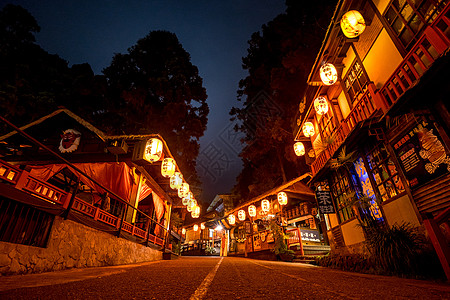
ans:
(252, 211)
(265, 205)
(202, 226)
(328, 74)
(195, 227)
(218, 228)
(299, 149)
(183, 231)
(231, 219)
(186, 200)
(308, 129)
(321, 105)
(196, 211)
(183, 190)
(241, 215)
(176, 180)
(168, 167)
(153, 150)
(352, 24)
(282, 198)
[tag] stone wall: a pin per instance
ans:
(73, 245)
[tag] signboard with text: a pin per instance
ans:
(324, 202)
(422, 154)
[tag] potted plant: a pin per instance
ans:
(280, 247)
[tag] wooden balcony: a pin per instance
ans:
(433, 43)
(21, 180)
(367, 104)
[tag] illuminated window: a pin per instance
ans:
(384, 172)
(355, 81)
(407, 18)
(343, 186)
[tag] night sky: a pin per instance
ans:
(215, 33)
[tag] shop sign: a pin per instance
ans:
(324, 202)
(367, 187)
(310, 235)
(256, 242)
(422, 154)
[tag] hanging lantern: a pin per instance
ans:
(195, 212)
(231, 219)
(321, 105)
(308, 129)
(183, 231)
(241, 215)
(299, 149)
(328, 74)
(186, 200)
(183, 190)
(168, 167)
(252, 211)
(153, 150)
(282, 198)
(176, 180)
(265, 205)
(195, 227)
(202, 226)
(352, 24)
(191, 205)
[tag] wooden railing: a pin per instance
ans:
(23, 181)
(434, 42)
(365, 107)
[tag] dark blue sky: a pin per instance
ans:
(215, 33)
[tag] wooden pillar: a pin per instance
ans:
(439, 244)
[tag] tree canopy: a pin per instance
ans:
(154, 88)
(278, 61)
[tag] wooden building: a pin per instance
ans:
(376, 118)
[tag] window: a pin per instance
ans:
(384, 172)
(326, 126)
(407, 18)
(342, 188)
(355, 81)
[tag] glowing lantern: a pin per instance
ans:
(186, 200)
(153, 150)
(195, 212)
(252, 211)
(202, 226)
(168, 167)
(176, 180)
(191, 205)
(183, 231)
(195, 227)
(328, 74)
(299, 149)
(282, 198)
(265, 205)
(308, 129)
(231, 219)
(352, 24)
(183, 190)
(321, 105)
(241, 215)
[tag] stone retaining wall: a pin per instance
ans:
(73, 245)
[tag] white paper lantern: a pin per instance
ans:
(265, 205)
(328, 74)
(176, 180)
(153, 150)
(321, 105)
(231, 219)
(252, 211)
(168, 167)
(282, 198)
(241, 215)
(308, 129)
(202, 226)
(183, 190)
(352, 24)
(195, 227)
(299, 149)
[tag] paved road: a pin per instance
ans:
(215, 278)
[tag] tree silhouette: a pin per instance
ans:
(154, 88)
(278, 61)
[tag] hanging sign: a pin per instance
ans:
(422, 154)
(324, 202)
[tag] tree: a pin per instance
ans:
(278, 61)
(154, 88)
